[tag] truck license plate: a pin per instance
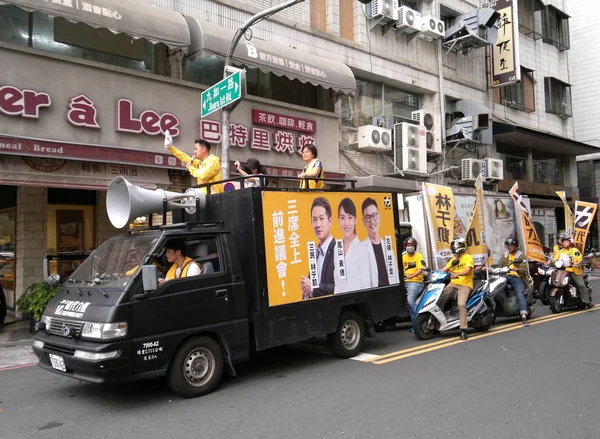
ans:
(57, 362)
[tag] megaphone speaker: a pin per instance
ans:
(125, 201)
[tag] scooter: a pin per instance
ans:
(431, 319)
(503, 296)
(563, 292)
(545, 273)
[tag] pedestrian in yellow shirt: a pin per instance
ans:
(570, 252)
(413, 264)
(206, 167)
(461, 272)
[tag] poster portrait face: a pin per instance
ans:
(371, 218)
(321, 218)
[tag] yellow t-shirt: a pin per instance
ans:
(576, 258)
(511, 258)
(464, 261)
(417, 259)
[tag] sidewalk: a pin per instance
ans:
(15, 344)
(14, 333)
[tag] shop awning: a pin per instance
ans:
(514, 135)
(209, 39)
(50, 172)
(134, 18)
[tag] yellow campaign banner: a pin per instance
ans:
(476, 242)
(320, 244)
(439, 203)
(569, 219)
(584, 214)
(533, 246)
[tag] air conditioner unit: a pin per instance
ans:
(409, 21)
(372, 138)
(383, 9)
(431, 128)
(494, 170)
(471, 169)
(409, 152)
(563, 110)
(431, 27)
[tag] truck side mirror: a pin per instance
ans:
(149, 278)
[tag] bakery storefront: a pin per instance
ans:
(68, 127)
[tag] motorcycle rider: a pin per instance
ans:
(517, 277)
(414, 264)
(461, 275)
(576, 270)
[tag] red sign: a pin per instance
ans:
(82, 112)
(45, 148)
(261, 117)
(24, 103)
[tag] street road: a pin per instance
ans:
(513, 382)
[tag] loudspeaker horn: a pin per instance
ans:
(125, 201)
(190, 200)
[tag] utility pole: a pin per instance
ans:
(225, 112)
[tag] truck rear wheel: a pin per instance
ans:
(348, 339)
(196, 368)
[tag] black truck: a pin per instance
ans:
(276, 267)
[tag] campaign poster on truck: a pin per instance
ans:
(321, 244)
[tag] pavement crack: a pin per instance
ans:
(51, 425)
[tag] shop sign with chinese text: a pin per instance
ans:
(506, 68)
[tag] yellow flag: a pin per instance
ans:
(532, 244)
(584, 214)
(476, 242)
(439, 203)
(568, 212)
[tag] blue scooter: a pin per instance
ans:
(432, 320)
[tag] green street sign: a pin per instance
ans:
(223, 93)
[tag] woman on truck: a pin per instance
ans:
(253, 167)
(313, 168)
(353, 273)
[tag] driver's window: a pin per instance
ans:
(191, 256)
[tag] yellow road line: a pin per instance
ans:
(399, 355)
(449, 341)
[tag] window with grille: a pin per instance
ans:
(410, 4)
(555, 28)
(558, 97)
(521, 95)
(530, 22)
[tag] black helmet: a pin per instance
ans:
(410, 241)
(458, 245)
(511, 241)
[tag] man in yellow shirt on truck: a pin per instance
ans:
(206, 167)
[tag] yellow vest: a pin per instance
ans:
(312, 184)
(576, 258)
(187, 263)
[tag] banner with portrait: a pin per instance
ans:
(439, 204)
(320, 244)
(584, 215)
(532, 245)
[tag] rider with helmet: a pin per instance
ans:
(576, 270)
(413, 264)
(461, 275)
(517, 277)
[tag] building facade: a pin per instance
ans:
(88, 89)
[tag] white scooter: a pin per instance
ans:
(431, 319)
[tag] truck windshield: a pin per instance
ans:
(116, 261)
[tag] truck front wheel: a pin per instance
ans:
(196, 368)
(348, 339)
